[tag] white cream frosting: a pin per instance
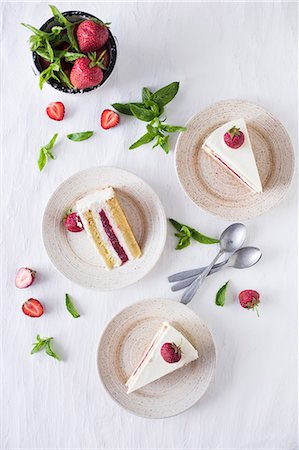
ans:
(240, 160)
(154, 366)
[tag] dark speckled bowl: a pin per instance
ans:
(75, 16)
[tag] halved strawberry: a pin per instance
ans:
(55, 110)
(33, 308)
(109, 119)
(24, 277)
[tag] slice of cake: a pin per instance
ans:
(230, 146)
(168, 351)
(107, 227)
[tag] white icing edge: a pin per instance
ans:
(94, 198)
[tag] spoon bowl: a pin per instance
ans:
(245, 257)
(232, 237)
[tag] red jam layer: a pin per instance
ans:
(112, 237)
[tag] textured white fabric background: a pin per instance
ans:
(217, 51)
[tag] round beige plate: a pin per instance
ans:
(211, 186)
(74, 255)
(123, 343)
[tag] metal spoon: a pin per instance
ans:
(243, 258)
(231, 240)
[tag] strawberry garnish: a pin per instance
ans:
(234, 137)
(171, 352)
(55, 110)
(73, 223)
(109, 119)
(24, 277)
(33, 308)
(249, 299)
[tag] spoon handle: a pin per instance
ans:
(187, 281)
(192, 289)
(179, 276)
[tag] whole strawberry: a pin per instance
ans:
(171, 352)
(84, 74)
(250, 299)
(73, 223)
(234, 137)
(91, 36)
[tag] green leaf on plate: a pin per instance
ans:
(81, 136)
(220, 296)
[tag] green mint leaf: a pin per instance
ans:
(166, 93)
(153, 131)
(64, 79)
(50, 51)
(186, 230)
(191, 232)
(220, 296)
(35, 30)
(163, 142)
(56, 30)
(146, 94)
(183, 243)
(42, 159)
(43, 53)
(197, 236)
(172, 128)
(70, 56)
(154, 107)
(78, 137)
(177, 225)
(45, 152)
(141, 113)
(125, 108)
(51, 144)
(39, 345)
(71, 36)
(58, 15)
(143, 140)
(70, 307)
(49, 350)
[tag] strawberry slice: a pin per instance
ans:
(109, 119)
(55, 110)
(24, 277)
(33, 308)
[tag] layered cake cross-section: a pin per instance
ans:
(230, 146)
(168, 351)
(107, 227)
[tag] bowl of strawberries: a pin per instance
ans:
(73, 51)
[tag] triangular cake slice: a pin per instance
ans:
(168, 351)
(230, 146)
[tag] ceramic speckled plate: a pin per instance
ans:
(124, 341)
(211, 186)
(75, 256)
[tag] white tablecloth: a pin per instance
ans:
(217, 51)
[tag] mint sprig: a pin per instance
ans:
(185, 233)
(71, 307)
(150, 110)
(44, 343)
(221, 294)
(45, 153)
